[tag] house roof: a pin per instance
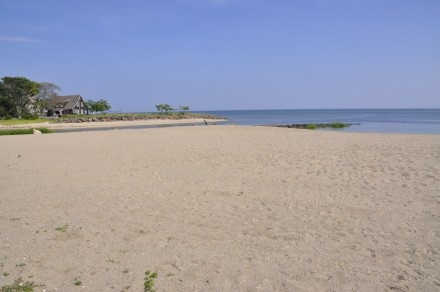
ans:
(70, 101)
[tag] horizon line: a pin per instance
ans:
(287, 109)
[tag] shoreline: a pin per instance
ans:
(163, 123)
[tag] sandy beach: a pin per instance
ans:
(221, 208)
(110, 124)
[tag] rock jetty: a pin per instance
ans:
(131, 117)
(312, 126)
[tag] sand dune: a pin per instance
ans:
(221, 208)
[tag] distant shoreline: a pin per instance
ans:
(400, 121)
(408, 121)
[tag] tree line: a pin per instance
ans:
(21, 97)
(165, 108)
(98, 106)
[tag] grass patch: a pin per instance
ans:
(45, 130)
(113, 261)
(19, 286)
(149, 281)
(8, 132)
(23, 121)
(15, 132)
(77, 281)
(311, 126)
(62, 228)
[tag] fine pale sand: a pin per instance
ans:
(111, 124)
(221, 208)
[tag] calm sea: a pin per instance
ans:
(416, 121)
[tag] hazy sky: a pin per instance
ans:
(228, 54)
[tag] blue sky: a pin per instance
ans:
(229, 54)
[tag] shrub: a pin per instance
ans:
(30, 116)
(311, 126)
(8, 117)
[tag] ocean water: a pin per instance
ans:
(414, 121)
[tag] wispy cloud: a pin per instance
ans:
(17, 39)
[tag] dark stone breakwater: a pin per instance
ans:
(132, 117)
(312, 126)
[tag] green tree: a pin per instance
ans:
(18, 92)
(183, 109)
(164, 108)
(98, 106)
(89, 103)
(7, 106)
(47, 97)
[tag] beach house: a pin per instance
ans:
(68, 104)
